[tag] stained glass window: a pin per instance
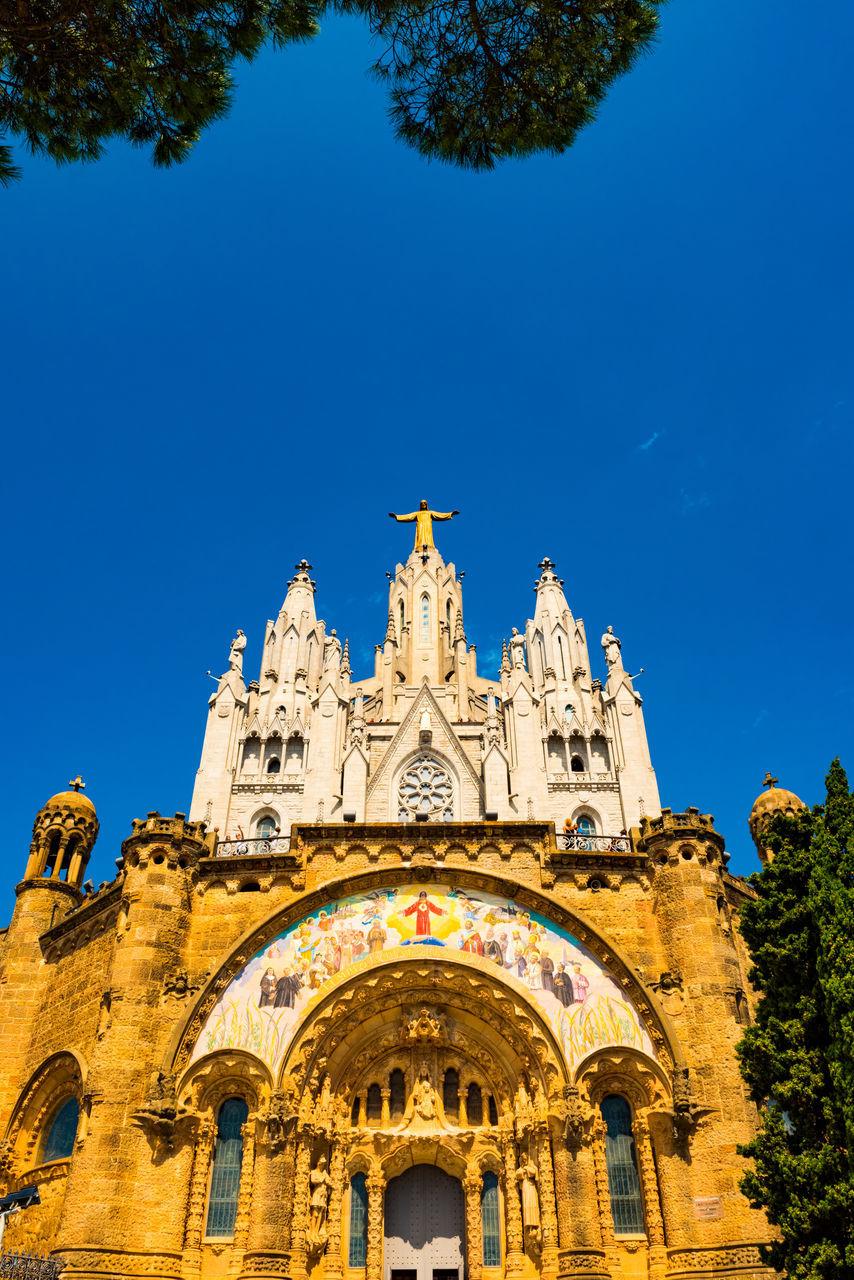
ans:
(490, 1221)
(621, 1162)
(358, 1252)
(425, 619)
(59, 1143)
(225, 1178)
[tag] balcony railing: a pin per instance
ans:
(28, 1266)
(252, 848)
(595, 844)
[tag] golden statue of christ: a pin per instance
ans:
(424, 518)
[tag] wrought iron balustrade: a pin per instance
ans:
(252, 848)
(594, 844)
(28, 1266)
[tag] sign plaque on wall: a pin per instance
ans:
(708, 1208)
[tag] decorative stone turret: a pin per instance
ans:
(765, 807)
(64, 833)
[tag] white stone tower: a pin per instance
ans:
(424, 738)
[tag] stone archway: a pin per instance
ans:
(424, 1226)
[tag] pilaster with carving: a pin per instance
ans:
(548, 1207)
(651, 1201)
(300, 1213)
(603, 1195)
(513, 1212)
(472, 1186)
(376, 1193)
(198, 1195)
(244, 1197)
(334, 1263)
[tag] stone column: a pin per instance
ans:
(269, 1231)
(376, 1194)
(472, 1186)
(385, 1118)
(194, 1226)
(603, 1195)
(334, 1262)
(244, 1197)
(548, 1207)
(363, 1111)
(651, 1202)
(302, 1198)
(513, 1212)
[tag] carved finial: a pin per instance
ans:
(391, 631)
(505, 657)
(303, 567)
(345, 656)
(459, 634)
(79, 785)
(768, 781)
(546, 565)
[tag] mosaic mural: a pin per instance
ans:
(259, 1009)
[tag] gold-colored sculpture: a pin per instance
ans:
(423, 518)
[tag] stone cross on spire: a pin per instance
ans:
(77, 784)
(768, 781)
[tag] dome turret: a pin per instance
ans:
(766, 806)
(64, 833)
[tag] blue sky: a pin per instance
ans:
(634, 358)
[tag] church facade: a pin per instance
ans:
(428, 986)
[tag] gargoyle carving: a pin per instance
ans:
(161, 1114)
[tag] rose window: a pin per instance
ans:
(425, 789)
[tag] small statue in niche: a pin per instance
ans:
(526, 1176)
(320, 1182)
(424, 1095)
(235, 657)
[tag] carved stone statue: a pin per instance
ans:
(526, 1176)
(320, 1182)
(235, 657)
(517, 649)
(424, 1095)
(423, 518)
(331, 651)
(611, 646)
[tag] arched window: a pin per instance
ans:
(490, 1221)
(354, 1112)
(274, 765)
(397, 1093)
(557, 754)
(474, 1104)
(296, 751)
(225, 1177)
(576, 764)
(568, 712)
(493, 1111)
(68, 855)
(622, 1164)
(451, 1094)
(375, 1104)
(425, 619)
(59, 1139)
(402, 620)
(358, 1251)
(265, 828)
(52, 851)
(586, 826)
(448, 620)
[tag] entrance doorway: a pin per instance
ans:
(424, 1226)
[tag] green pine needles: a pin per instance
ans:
(798, 1057)
(471, 81)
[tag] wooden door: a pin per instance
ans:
(424, 1225)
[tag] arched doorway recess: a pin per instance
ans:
(424, 1226)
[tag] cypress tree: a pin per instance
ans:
(797, 1056)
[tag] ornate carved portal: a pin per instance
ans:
(429, 1062)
